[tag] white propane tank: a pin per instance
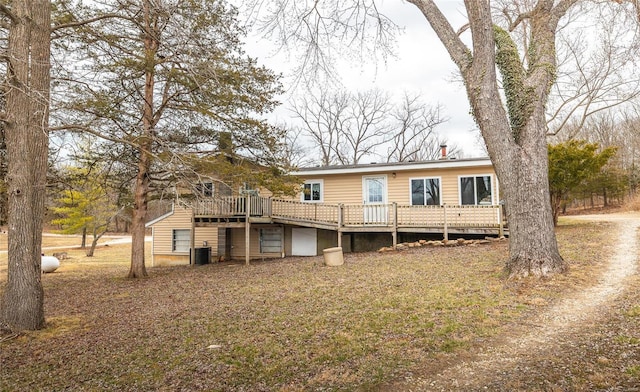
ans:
(49, 263)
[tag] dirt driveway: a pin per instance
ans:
(547, 352)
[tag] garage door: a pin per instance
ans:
(304, 242)
(271, 240)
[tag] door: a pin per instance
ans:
(271, 240)
(374, 191)
(304, 242)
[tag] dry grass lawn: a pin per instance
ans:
(280, 325)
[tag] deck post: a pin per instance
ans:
(501, 229)
(394, 233)
(339, 221)
(192, 251)
(446, 227)
(247, 232)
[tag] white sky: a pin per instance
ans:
(422, 65)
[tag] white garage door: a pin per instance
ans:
(304, 242)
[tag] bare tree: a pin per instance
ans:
(597, 62)
(414, 136)
(346, 127)
(322, 116)
(514, 128)
(366, 126)
(295, 153)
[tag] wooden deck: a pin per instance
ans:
(392, 217)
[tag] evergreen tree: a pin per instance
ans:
(573, 164)
(164, 79)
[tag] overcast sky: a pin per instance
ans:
(421, 65)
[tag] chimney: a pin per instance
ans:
(443, 150)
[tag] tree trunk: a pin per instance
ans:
(518, 149)
(532, 245)
(557, 204)
(138, 229)
(94, 243)
(84, 238)
(26, 130)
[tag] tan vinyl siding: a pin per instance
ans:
(238, 244)
(343, 188)
(347, 188)
(400, 187)
(162, 251)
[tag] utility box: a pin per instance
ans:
(202, 255)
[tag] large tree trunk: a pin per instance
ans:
(532, 244)
(140, 207)
(26, 130)
(515, 136)
(138, 230)
(517, 142)
(523, 173)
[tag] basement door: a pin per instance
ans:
(374, 191)
(304, 242)
(271, 240)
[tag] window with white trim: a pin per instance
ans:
(181, 240)
(476, 190)
(312, 191)
(205, 189)
(425, 191)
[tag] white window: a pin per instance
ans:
(476, 190)
(181, 240)
(425, 192)
(205, 189)
(312, 191)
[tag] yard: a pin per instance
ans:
(296, 325)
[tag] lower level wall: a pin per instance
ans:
(230, 243)
(238, 244)
(366, 242)
(164, 260)
(329, 239)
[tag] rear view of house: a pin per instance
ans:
(357, 207)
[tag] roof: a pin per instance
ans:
(161, 217)
(393, 166)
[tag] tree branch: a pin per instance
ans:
(7, 11)
(85, 129)
(458, 51)
(519, 19)
(88, 21)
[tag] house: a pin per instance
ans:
(358, 207)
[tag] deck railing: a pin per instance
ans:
(367, 214)
(232, 206)
(354, 215)
(312, 212)
(451, 215)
